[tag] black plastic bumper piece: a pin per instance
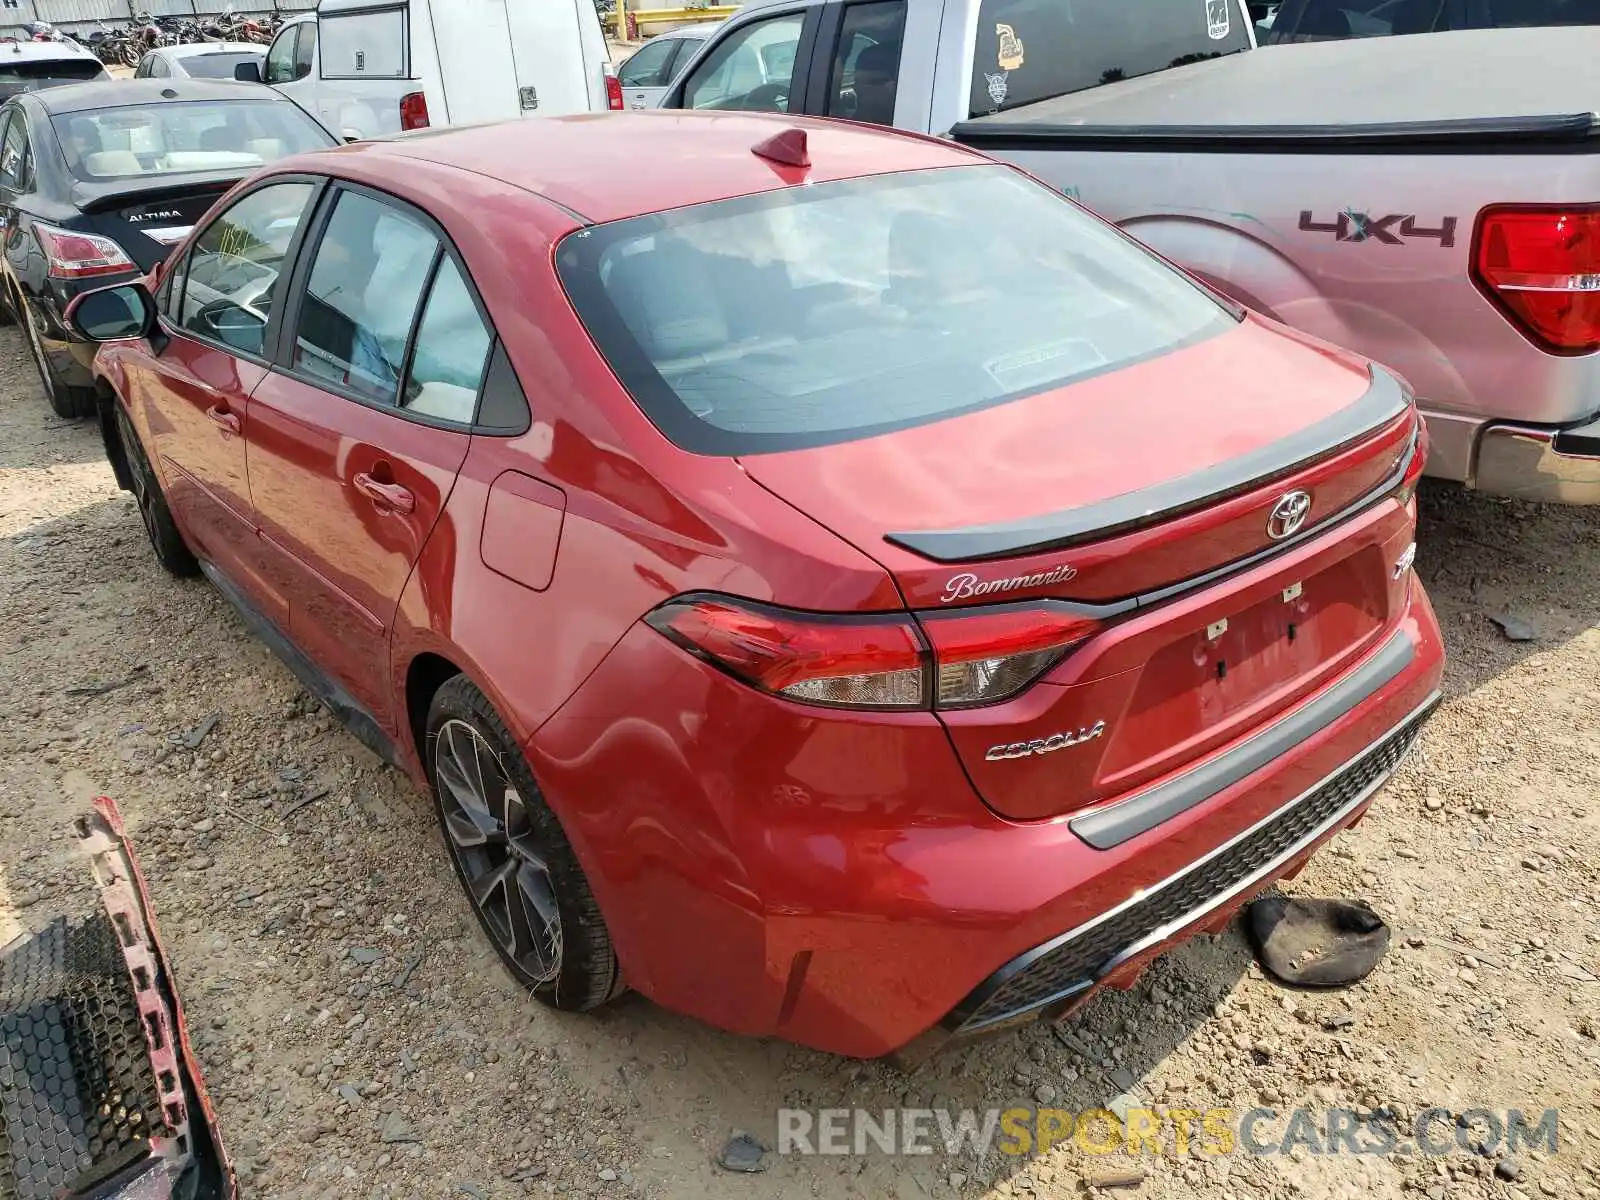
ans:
(1127, 819)
(1044, 981)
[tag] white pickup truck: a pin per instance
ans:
(1430, 201)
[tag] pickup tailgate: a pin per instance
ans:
(1337, 186)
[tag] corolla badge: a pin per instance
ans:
(967, 585)
(1288, 515)
(1049, 745)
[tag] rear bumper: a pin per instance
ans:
(841, 886)
(1546, 463)
(1530, 462)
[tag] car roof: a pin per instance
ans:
(42, 51)
(608, 166)
(120, 93)
(199, 49)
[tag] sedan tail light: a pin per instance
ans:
(988, 655)
(879, 661)
(1541, 266)
(74, 255)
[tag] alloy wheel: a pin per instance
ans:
(486, 822)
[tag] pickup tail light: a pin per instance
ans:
(74, 255)
(878, 661)
(1541, 266)
(414, 111)
(613, 89)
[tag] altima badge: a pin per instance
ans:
(1049, 745)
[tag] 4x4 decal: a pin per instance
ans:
(1392, 230)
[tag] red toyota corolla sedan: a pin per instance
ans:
(830, 582)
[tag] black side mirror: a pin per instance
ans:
(247, 72)
(116, 314)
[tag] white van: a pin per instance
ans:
(372, 67)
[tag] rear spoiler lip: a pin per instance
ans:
(91, 198)
(1385, 400)
(1490, 135)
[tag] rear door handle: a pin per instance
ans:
(224, 420)
(389, 496)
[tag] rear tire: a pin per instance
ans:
(172, 552)
(68, 403)
(512, 857)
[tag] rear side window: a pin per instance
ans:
(1031, 50)
(807, 316)
(866, 63)
(15, 159)
(452, 351)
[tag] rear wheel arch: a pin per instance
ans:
(425, 675)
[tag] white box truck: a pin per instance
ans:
(373, 67)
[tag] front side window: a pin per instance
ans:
(280, 57)
(227, 288)
(366, 283)
(750, 70)
(649, 65)
(866, 63)
(305, 50)
(147, 140)
(1028, 50)
(807, 316)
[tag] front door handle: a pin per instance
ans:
(224, 420)
(388, 496)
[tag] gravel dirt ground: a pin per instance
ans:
(361, 1041)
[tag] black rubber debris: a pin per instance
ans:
(1316, 943)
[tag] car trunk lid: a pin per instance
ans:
(1118, 495)
(148, 222)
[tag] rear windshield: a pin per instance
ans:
(219, 65)
(173, 139)
(815, 315)
(1031, 50)
(1333, 20)
(36, 74)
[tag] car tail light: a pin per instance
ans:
(843, 662)
(414, 111)
(74, 255)
(613, 90)
(1541, 266)
(987, 656)
(878, 661)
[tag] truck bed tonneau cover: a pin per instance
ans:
(1520, 85)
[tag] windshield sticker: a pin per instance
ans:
(1011, 48)
(1218, 19)
(999, 88)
